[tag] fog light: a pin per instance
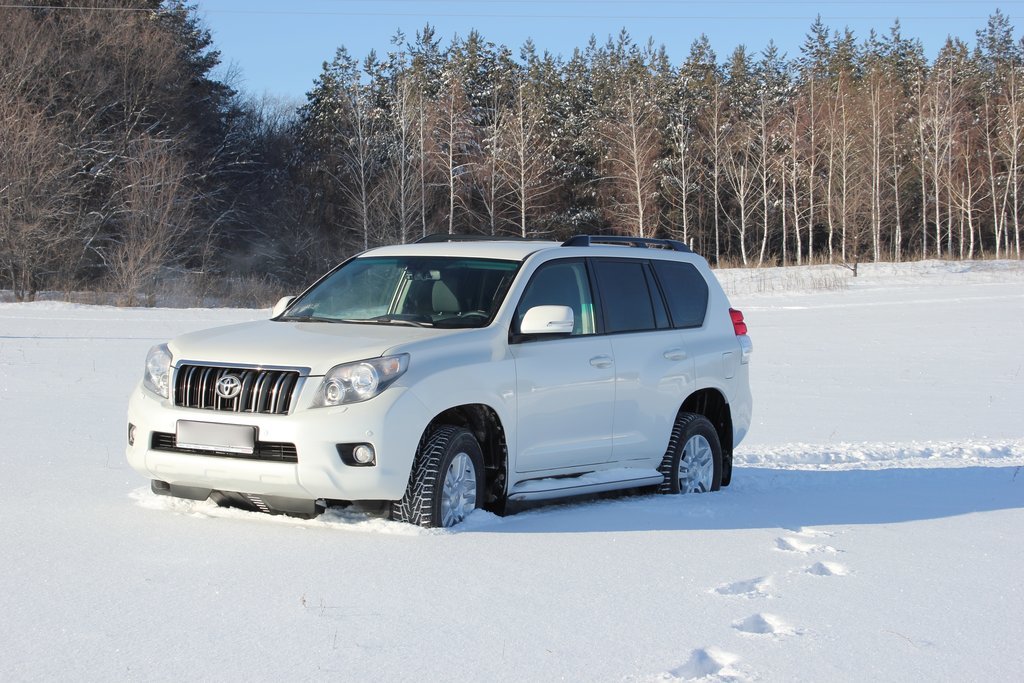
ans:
(363, 454)
(357, 454)
(131, 434)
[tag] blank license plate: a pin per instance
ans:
(211, 436)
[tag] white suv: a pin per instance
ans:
(448, 375)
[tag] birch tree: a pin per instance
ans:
(527, 157)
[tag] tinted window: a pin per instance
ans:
(561, 283)
(625, 296)
(686, 292)
(660, 312)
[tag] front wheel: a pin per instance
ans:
(693, 460)
(446, 480)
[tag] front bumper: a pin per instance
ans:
(392, 423)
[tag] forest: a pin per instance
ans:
(130, 165)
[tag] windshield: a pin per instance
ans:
(424, 291)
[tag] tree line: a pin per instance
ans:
(124, 161)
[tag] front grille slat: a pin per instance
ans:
(277, 394)
(287, 387)
(272, 388)
(248, 379)
(184, 385)
(261, 391)
(208, 383)
(271, 451)
(258, 394)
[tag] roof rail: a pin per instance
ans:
(642, 242)
(446, 237)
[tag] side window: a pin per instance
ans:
(561, 283)
(685, 290)
(625, 296)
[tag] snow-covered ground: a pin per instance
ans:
(874, 529)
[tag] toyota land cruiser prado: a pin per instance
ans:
(443, 376)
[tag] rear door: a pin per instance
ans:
(654, 368)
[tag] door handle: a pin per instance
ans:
(601, 361)
(675, 354)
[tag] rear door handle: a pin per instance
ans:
(601, 361)
(675, 354)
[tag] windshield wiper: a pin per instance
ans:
(389, 320)
(308, 319)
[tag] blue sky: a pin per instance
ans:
(280, 47)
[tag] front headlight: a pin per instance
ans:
(157, 377)
(359, 381)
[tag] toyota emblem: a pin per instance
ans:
(229, 386)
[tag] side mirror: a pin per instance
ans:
(547, 320)
(281, 305)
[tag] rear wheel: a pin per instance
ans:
(446, 482)
(693, 460)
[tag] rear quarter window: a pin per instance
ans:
(685, 290)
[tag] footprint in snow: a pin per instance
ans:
(763, 625)
(708, 664)
(751, 588)
(791, 544)
(827, 569)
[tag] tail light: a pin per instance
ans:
(738, 325)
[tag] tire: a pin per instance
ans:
(693, 460)
(446, 482)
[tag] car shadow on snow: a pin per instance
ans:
(773, 498)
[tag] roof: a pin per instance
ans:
(510, 250)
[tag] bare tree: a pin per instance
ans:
(403, 194)
(765, 132)
(37, 197)
(840, 160)
(1009, 141)
(941, 107)
(920, 107)
(967, 191)
(73, 94)
(714, 140)
(360, 155)
(153, 212)
(527, 156)
(876, 99)
(897, 124)
(741, 172)
(794, 184)
(678, 181)
(813, 159)
(488, 168)
(991, 155)
(451, 135)
(633, 142)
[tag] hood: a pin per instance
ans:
(317, 346)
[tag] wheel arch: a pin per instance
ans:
(712, 404)
(485, 424)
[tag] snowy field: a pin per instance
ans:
(874, 529)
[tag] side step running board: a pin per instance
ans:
(591, 482)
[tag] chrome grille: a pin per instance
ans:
(261, 391)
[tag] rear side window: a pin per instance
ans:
(685, 290)
(625, 296)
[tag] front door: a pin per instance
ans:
(565, 386)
